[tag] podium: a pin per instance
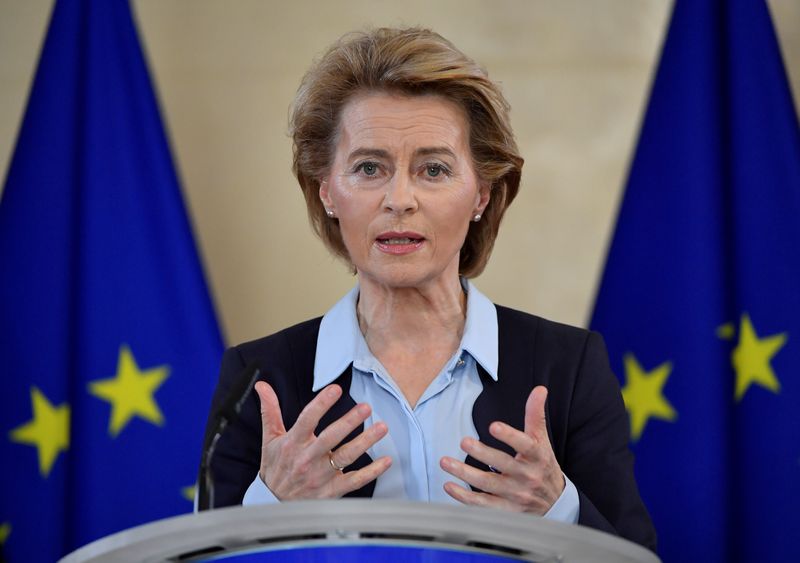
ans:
(344, 531)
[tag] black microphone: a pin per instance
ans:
(224, 415)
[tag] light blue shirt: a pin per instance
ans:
(418, 437)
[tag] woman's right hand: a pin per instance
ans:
(299, 465)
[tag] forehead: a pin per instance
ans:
(390, 120)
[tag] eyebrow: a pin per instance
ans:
(428, 151)
(380, 153)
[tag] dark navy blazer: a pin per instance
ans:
(586, 418)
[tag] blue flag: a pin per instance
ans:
(109, 343)
(700, 299)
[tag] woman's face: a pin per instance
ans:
(403, 187)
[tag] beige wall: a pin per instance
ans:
(576, 73)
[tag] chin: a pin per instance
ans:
(400, 276)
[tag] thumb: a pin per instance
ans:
(271, 418)
(535, 425)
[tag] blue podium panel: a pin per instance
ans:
(361, 553)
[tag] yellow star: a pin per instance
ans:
(130, 392)
(642, 394)
(751, 358)
(188, 492)
(48, 430)
(5, 531)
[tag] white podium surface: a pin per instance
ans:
(360, 522)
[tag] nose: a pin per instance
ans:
(400, 197)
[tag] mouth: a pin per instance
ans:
(399, 242)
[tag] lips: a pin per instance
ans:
(399, 237)
(403, 242)
(398, 240)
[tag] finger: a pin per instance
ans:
(535, 424)
(352, 450)
(492, 457)
(311, 414)
(333, 435)
(354, 480)
(520, 442)
(489, 482)
(474, 498)
(271, 418)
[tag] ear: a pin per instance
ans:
(325, 195)
(484, 194)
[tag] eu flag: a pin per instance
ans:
(109, 341)
(700, 299)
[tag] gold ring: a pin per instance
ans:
(333, 463)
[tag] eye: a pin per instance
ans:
(368, 168)
(435, 169)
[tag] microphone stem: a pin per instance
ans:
(206, 481)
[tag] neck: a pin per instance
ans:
(427, 313)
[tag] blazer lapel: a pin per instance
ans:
(337, 411)
(504, 399)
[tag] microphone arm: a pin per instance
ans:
(224, 415)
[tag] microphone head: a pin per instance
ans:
(238, 393)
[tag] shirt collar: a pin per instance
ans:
(338, 342)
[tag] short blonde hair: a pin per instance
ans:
(409, 62)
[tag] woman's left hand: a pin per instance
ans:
(531, 481)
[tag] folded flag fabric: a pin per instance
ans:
(109, 343)
(700, 298)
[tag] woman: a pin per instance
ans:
(415, 385)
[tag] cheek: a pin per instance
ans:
(463, 204)
(453, 221)
(350, 199)
(354, 231)
(457, 232)
(355, 218)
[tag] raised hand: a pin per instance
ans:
(530, 481)
(299, 465)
